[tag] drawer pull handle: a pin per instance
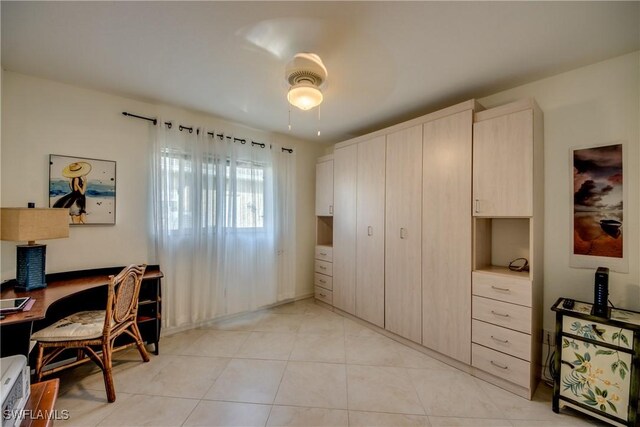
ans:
(331, 209)
(499, 340)
(322, 295)
(403, 233)
(495, 313)
(497, 365)
(322, 267)
(475, 208)
(322, 281)
(369, 231)
(497, 288)
(323, 253)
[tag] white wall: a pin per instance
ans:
(42, 117)
(592, 105)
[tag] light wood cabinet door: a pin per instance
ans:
(446, 231)
(403, 281)
(370, 231)
(345, 162)
(503, 165)
(324, 188)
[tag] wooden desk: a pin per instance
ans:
(64, 295)
(40, 406)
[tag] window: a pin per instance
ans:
(243, 203)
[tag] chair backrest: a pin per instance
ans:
(122, 300)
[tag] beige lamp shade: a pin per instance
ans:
(31, 224)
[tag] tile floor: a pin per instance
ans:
(294, 365)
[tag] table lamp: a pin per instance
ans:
(31, 224)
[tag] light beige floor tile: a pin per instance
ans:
(212, 413)
(184, 376)
(295, 416)
(141, 410)
(176, 343)
(376, 351)
(298, 307)
(414, 359)
(382, 389)
(377, 419)
(246, 380)
(325, 323)
(267, 345)
(452, 394)
(217, 344)
(243, 322)
(322, 385)
(275, 322)
(518, 408)
(355, 329)
(86, 407)
(319, 348)
(468, 422)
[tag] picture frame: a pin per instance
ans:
(86, 186)
(599, 207)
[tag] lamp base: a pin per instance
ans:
(30, 264)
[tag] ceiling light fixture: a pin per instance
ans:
(305, 74)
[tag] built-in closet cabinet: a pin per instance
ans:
(403, 242)
(370, 213)
(345, 173)
(508, 224)
(446, 235)
(324, 186)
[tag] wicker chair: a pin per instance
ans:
(90, 329)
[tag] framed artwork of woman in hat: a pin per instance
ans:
(84, 186)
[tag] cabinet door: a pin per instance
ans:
(503, 165)
(324, 188)
(403, 281)
(446, 231)
(370, 231)
(345, 161)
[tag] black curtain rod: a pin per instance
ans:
(220, 136)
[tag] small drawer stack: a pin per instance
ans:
(323, 276)
(502, 339)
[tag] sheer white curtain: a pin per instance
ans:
(224, 225)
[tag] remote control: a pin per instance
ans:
(568, 303)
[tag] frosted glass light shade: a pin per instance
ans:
(304, 96)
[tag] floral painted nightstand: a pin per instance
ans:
(597, 363)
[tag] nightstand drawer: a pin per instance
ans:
(323, 267)
(323, 280)
(323, 295)
(502, 339)
(499, 313)
(324, 253)
(501, 365)
(508, 289)
(609, 334)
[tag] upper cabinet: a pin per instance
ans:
(324, 186)
(503, 160)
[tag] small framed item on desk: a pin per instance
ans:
(597, 362)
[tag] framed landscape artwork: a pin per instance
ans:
(598, 208)
(87, 187)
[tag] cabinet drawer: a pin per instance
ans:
(324, 295)
(508, 289)
(505, 340)
(501, 365)
(598, 332)
(324, 267)
(501, 313)
(324, 253)
(323, 281)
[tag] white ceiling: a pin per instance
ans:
(387, 61)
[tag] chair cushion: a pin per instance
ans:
(78, 326)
